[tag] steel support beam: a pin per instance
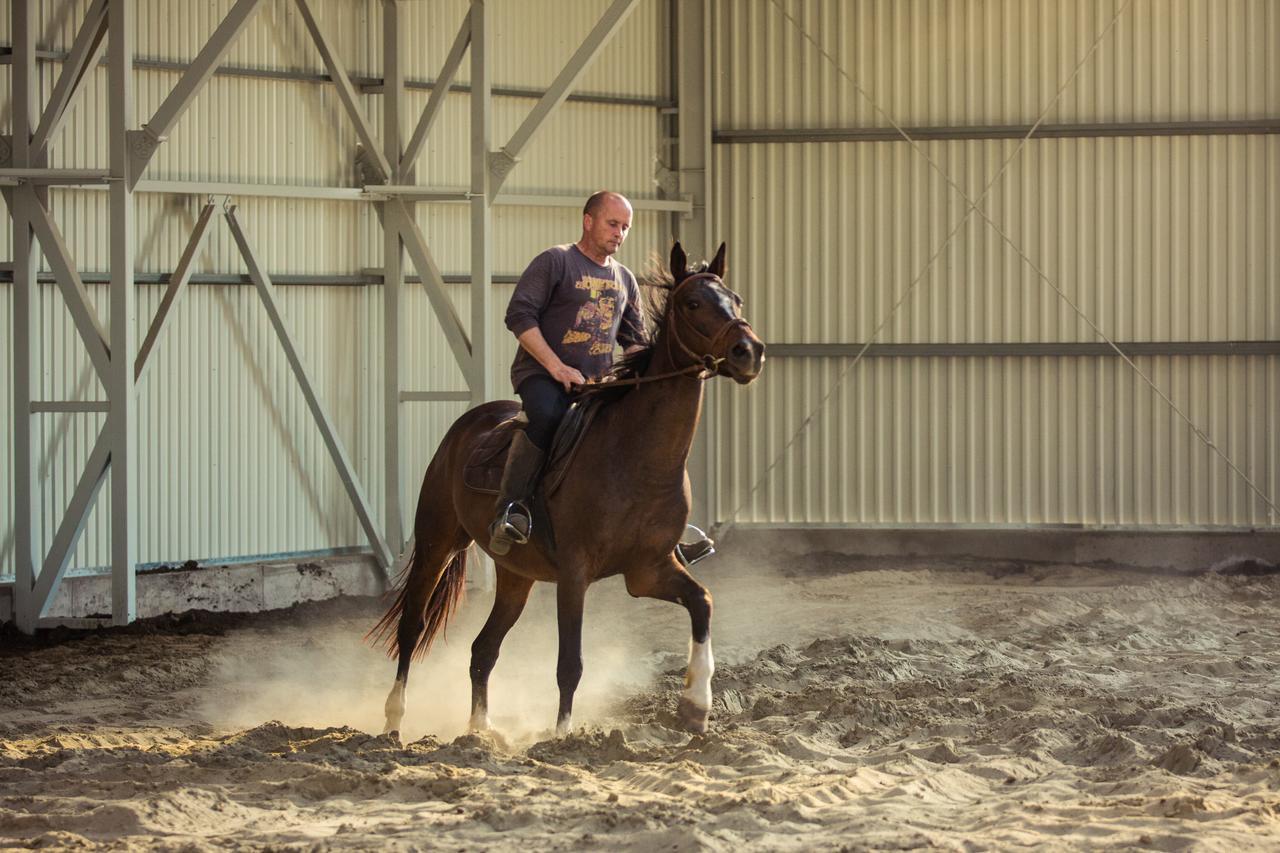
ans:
(177, 285)
(436, 101)
(691, 45)
(122, 424)
(22, 202)
(757, 136)
(482, 187)
(346, 91)
(435, 396)
(69, 406)
(73, 290)
(503, 161)
(1064, 349)
(337, 452)
(85, 53)
(433, 283)
(73, 522)
(392, 280)
(144, 142)
(367, 85)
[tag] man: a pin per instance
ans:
(571, 307)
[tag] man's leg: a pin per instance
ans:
(545, 403)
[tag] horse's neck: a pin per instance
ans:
(661, 418)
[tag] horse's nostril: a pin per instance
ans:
(741, 350)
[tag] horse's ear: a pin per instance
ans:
(679, 262)
(717, 267)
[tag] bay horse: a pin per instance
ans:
(621, 508)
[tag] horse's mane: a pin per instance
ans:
(655, 289)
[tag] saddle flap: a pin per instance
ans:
(483, 470)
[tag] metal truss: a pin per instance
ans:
(388, 169)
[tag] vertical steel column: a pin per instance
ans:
(392, 278)
(122, 424)
(480, 380)
(692, 46)
(26, 482)
(481, 208)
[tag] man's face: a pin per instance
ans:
(608, 228)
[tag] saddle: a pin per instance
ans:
(483, 469)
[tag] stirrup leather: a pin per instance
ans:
(503, 527)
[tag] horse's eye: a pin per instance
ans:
(693, 304)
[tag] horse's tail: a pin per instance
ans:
(440, 604)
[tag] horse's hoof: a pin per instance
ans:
(394, 736)
(692, 717)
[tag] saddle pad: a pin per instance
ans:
(483, 470)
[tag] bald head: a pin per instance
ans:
(598, 200)
(606, 219)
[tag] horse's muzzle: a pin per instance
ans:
(745, 358)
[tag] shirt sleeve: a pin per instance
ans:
(533, 292)
(631, 331)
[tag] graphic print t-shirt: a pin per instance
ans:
(582, 308)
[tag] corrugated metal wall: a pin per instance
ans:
(1155, 239)
(232, 463)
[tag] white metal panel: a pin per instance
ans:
(991, 62)
(1154, 239)
(1000, 441)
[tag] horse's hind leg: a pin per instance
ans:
(508, 604)
(669, 581)
(436, 574)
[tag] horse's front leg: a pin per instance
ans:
(508, 603)
(668, 581)
(571, 594)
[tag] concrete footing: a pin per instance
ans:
(268, 586)
(243, 588)
(1177, 550)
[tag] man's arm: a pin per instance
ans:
(537, 346)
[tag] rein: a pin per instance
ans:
(703, 367)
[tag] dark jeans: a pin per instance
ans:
(545, 402)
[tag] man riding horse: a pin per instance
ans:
(572, 306)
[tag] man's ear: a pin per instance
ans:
(679, 262)
(718, 267)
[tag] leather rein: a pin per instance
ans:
(703, 366)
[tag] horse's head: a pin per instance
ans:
(704, 319)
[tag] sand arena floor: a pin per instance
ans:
(859, 703)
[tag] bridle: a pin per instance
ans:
(703, 367)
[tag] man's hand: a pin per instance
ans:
(567, 376)
(532, 340)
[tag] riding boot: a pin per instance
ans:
(514, 522)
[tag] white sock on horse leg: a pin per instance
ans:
(697, 679)
(394, 708)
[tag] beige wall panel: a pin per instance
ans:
(992, 62)
(1158, 238)
(1153, 239)
(994, 442)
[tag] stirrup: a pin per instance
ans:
(503, 527)
(688, 553)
